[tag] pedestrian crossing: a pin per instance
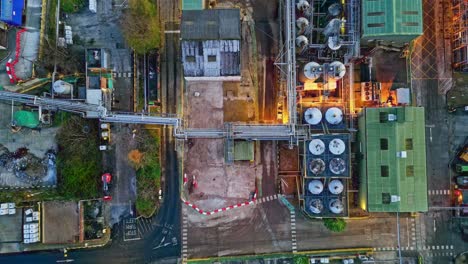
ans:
(293, 231)
(430, 248)
(184, 235)
(122, 74)
(267, 199)
(438, 192)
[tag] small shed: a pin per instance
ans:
(193, 4)
(244, 150)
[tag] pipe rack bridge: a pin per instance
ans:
(230, 131)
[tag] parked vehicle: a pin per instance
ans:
(462, 181)
(106, 180)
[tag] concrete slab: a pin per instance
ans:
(11, 227)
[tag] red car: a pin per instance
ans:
(461, 200)
(106, 180)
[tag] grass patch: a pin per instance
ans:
(50, 28)
(336, 225)
(60, 117)
(78, 159)
(71, 6)
(3, 54)
(148, 173)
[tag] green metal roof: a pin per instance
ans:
(392, 20)
(406, 177)
(243, 150)
(193, 4)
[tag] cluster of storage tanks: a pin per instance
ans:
(331, 31)
(323, 197)
(313, 116)
(317, 165)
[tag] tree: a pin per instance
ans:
(140, 25)
(335, 224)
(301, 260)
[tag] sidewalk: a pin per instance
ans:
(6, 248)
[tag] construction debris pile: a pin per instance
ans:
(25, 166)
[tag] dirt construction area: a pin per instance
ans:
(217, 184)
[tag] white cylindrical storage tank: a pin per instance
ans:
(315, 187)
(302, 23)
(301, 41)
(315, 206)
(337, 70)
(334, 115)
(61, 87)
(317, 166)
(334, 42)
(312, 116)
(313, 70)
(316, 147)
(337, 146)
(302, 5)
(336, 206)
(335, 9)
(337, 166)
(335, 187)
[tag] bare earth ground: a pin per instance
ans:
(61, 222)
(219, 184)
(204, 106)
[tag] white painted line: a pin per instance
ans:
(268, 198)
(293, 231)
(433, 247)
(451, 247)
(411, 248)
(276, 196)
(172, 31)
(437, 247)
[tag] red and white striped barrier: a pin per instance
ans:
(218, 210)
(185, 179)
(227, 208)
(10, 65)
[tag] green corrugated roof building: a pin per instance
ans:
(193, 4)
(398, 21)
(393, 161)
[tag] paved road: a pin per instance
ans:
(140, 251)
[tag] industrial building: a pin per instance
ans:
(391, 21)
(460, 35)
(11, 12)
(393, 160)
(211, 44)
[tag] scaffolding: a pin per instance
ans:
(460, 35)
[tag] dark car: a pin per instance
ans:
(462, 181)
